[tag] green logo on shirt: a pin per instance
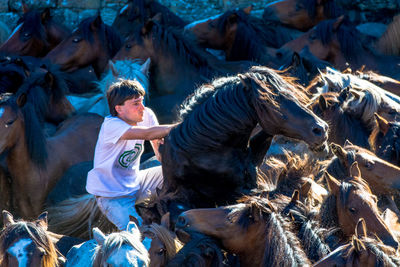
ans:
(126, 159)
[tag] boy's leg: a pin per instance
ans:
(151, 179)
(118, 209)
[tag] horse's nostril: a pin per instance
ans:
(317, 131)
(279, 54)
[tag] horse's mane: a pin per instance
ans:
(175, 43)
(29, 230)
(116, 241)
(349, 38)
(331, 10)
(385, 256)
(282, 247)
(172, 244)
(139, 11)
(107, 35)
(196, 250)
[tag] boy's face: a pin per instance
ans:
(131, 111)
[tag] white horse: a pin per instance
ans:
(120, 249)
(125, 69)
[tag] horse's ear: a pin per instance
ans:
(361, 228)
(295, 59)
(382, 124)
(148, 26)
(247, 10)
(165, 220)
(347, 143)
(333, 184)
(112, 68)
(232, 20)
(49, 78)
(157, 17)
(132, 227)
(45, 16)
(337, 23)
(96, 23)
(305, 188)
(25, 7)
(344, 94)
(8, 219)
(323, 105)
(42, 220)
(98, 236)
(245, 81)
(354, 170)
(145, 67)
(21, 100)
(339, 152)
(295, 197)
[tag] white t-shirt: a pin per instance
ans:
(116, 162)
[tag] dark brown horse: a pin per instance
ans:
(241, 36)
(35, 162)
(36, 34)
(253, 230)
(361, 251)
(301, 14)
(177, 65)
(137, 12)
(338, 42)
(207, 158)
(350, 200)
(93, 43)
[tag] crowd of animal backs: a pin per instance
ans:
(286, 151)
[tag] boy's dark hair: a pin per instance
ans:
(121, 91)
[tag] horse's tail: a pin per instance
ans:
(77, 216)
(389, 42)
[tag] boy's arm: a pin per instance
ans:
(147, 133)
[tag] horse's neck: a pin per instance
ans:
(356, 134)
(253, 254)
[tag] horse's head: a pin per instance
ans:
(232, 225)
(218, 32)
(300, 14)
(11, 124)
(26, 243)
(92, 43)
(120, 249)
(277, 104)
(164, 244)
(354, 200)
(361, 251)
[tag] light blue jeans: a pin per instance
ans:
(118, 209)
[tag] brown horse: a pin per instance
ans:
(27, 243)
(301, 14)
(253, 230)
(241, 36)
(36, 34)
(36, 163)
(361, 251)
(338, 42)
(349, 201)
(137, 12)
(92, 43)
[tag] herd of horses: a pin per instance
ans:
(286, 151)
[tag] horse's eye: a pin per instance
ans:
(299, 6)
(9, 123)
(76, 40)
(313, 36)
(128, 46)
(392, 112)
(369, 165)
(212, 24)
(352, 210)
(161, 251)
(27, 34)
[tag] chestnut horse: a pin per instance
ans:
(361, 250)
(253, 230)
(35, 35)
(35, 162)
(137, 12)
(301, 14)
(92, 43)
(206, 157)
(350, 200)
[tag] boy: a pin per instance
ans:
(115, 179)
